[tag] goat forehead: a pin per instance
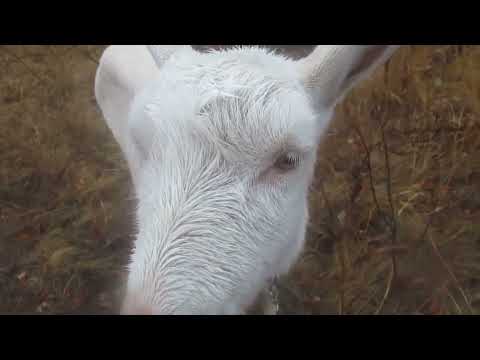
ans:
(235, 63)
(233, 98)
(250, 121)
(257, 119)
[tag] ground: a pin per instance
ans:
(394, 205)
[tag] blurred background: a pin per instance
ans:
(395, 205)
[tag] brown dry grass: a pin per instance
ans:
(395, 202)
(62, 193)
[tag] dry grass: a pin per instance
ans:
(62, 184)
(399, 204)
(395, 202)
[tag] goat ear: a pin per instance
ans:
(123, 72)
(330, 71)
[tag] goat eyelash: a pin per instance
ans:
(287, 161)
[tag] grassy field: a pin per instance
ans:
(395, 205)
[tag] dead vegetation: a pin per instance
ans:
(62, 193)
(395, 203)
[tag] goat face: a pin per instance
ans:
(221, 148)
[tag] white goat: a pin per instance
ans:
(221, 147)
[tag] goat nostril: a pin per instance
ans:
(137, 310)
(143, 310)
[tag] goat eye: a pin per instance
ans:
(287, 162)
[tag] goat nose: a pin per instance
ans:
(141, 310)
(136, 309)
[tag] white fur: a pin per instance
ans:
(201, 133)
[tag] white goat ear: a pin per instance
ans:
(123, 72)
(330, 71)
